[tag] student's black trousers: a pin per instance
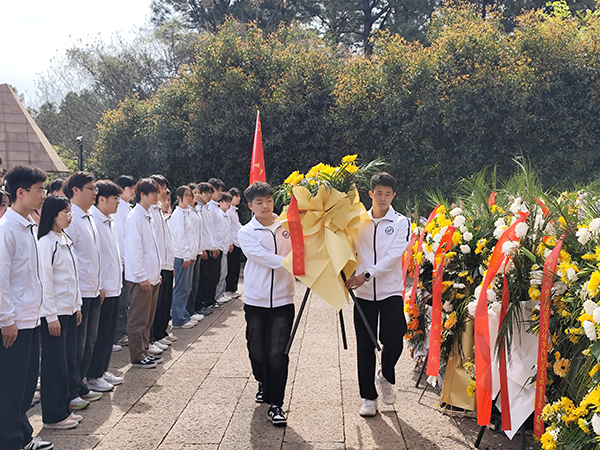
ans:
(267, 334)
(107, 328)
(59, 355)
(233, 269)
(87, 333)
(392, 327)
(163, 307)
(210, 270)
(19, 367)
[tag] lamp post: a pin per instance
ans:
(79, 140)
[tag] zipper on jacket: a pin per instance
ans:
(375, 257)
(74, 266)
(273, 270)
(37, 261)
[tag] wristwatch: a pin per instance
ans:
(367, 276)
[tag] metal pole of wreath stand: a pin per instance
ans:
(341, 316)
(521, 432)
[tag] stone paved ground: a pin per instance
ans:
(202, 398)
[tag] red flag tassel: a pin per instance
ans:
(544, 337)
(296, 236)
(506, 422)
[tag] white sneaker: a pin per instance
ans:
(65, 424)
(77, 404)
(154, 350)
(190, 324)
(112, 378)
(163, 347)
(197, 317)
(171, 337)
(117, 348)
(388, 396)
(165, 341)
(368, 408)
(223, 299)
(232, 295)
(99, 385)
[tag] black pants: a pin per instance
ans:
(87, 333)
(19, 367)
(122, 311)
(392, 327)
(267, 334)
(210, 270)
(107, 326)
(195, 301)
(163, 307)
(233, 269)
(59, 355)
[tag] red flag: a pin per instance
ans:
(257, 167)
(544, 337)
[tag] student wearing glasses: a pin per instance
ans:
(81, 190)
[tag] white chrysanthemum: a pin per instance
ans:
(521, 229)
(510, 248)
(595, 225)
(455, 212)
(516, 206)
(471, 307)
(583, 235)
(539, 221)
(465, 249)
(491, 295)
(429, 256)
(437, 238)
(463, 229)
(477, 292)
(459, 221)
(498, 232)
(596, 423)
(547, 253)
(571, 274)
(596, 316)
(448, 307)
(589, 307)
(499, 223)
(496, 307)
(467, 236)
(590, 330)
(559, 288)
(458, 286)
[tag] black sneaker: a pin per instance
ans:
(277, 415)
(145, 363)
(37, 444)
(205, 311)
(154, 359)
(259, 394)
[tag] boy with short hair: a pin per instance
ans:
(106, 204)
(142, 271)
(379, 285)
(234, 257)
(81, 190)
(127, 184)
(21, 297)
(210, 254)
(268, 299)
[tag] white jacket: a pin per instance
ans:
(220, 231)
(142, 256)
(195, 230)
(268, 284)
(120, 217)
(61, 285)
(111, 269)
(84, 235)
(163, 238)
(182, 228)
(21, 293)
(208, 233)
(379, 250)
(234, 222)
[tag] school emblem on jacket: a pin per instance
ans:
(389, 230)
(286, 234)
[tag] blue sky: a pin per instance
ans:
(33, 32)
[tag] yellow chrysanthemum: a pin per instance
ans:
(594, 370)
(534, 293)
(349, 158)
(463, 274)
(561, 366)
(583, 425)
(291, 177)
(456, 238)
(450, 321)
(351, 168)
(594, 283)
(480, 245)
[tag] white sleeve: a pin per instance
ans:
(7, 308)
(49, 310)
(134, 249)
(254, 250)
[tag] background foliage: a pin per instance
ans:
(476, 96)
